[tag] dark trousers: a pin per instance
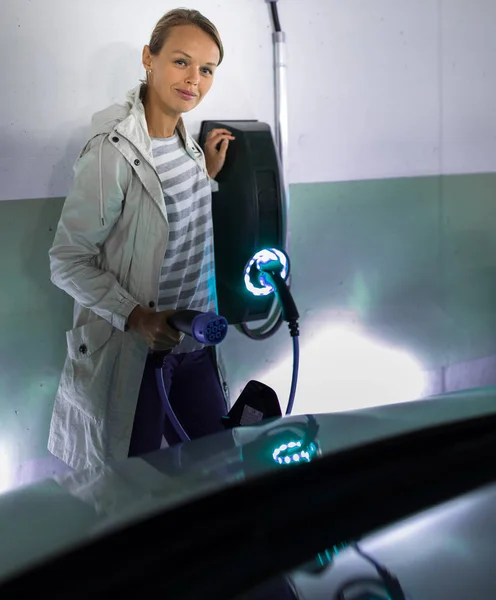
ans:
(195, 394)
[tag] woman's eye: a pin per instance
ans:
(180, 62)
(207, 71)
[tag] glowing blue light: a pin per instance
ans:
(292, 452)
(261, 287)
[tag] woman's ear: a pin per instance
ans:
(147, 58)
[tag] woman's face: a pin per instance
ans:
(183, 72)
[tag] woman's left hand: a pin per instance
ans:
(215, 155)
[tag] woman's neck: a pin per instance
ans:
(161, 122)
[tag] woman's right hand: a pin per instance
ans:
(154, 329)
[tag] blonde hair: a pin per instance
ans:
(178, 17)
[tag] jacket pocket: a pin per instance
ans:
(86, 340)
(93, 350)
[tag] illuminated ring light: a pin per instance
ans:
(255, 282)
(294, 453)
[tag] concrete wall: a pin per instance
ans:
(383, 89)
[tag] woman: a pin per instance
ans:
(134, 243)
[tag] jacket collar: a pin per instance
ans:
(129, 120)
(134, 100)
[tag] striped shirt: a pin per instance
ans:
(187, 279)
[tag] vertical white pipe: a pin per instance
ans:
(281, 122)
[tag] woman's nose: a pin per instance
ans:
(193, 76)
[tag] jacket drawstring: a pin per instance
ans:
(101, 181)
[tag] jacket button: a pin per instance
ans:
(137, 162)
(151, 304)
(115, 140)
(83, 349)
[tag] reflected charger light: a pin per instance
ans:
(283, 445)
(294, 452)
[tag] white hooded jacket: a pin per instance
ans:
(107, 254)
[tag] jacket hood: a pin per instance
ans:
(105, 121)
